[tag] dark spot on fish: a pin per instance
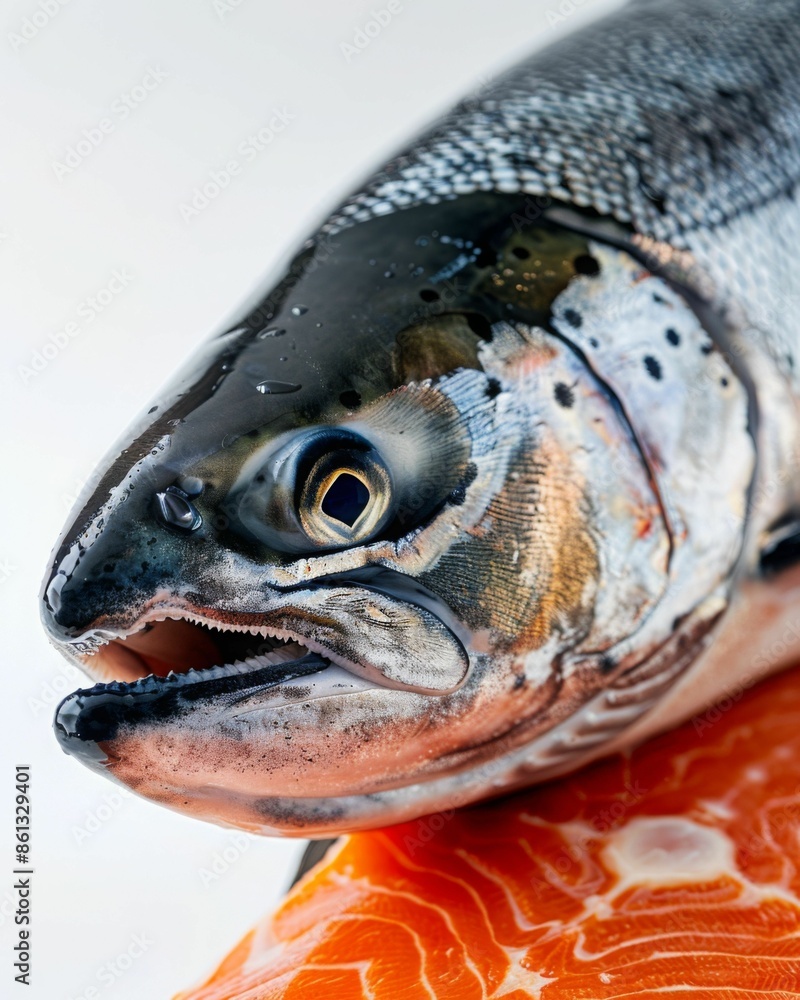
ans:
(607, 663)
(673, 337)
(520, 253)
(252, 434)
(586, 264)
(458, 495)
(723, 382)
(350, 399)
(573, 318)
(480, 326)
(790, 360)
(564, 395)
(493, 388)
(653, 367)
(658, 299)
(152, 409)
(152, 541)
(429, 295)
(594, 341)
(707, 348)
(109, 567)
(519, 681)
(486, 257)
(145, 566)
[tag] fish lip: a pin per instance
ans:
(89, 717)
(82, 648)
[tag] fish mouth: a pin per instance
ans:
(185, 647)
(171, 659)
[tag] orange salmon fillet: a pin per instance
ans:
(671, 872)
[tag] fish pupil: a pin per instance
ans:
(346, 499)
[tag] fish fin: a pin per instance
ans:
(314, 853)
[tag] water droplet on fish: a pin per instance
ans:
(372, 262)
(271, 331)
(283, 359)
(299, 310)
(388, 274)
(270, 386)
(421, 241)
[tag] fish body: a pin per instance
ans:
(672, 871)
(500, 476)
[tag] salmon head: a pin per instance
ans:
(443, 514)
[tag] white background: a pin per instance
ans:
(109, 868)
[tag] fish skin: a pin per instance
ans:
(586, 460)
(674, 868)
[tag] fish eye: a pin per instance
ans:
(345, 499)
(344, 496)
(322, 489)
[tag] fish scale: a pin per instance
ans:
(509, 458)
(681, 120)
(535, 487)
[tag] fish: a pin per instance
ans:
(499, 475)
(672, 870)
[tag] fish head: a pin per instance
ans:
(383, 536)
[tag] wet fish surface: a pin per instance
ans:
(499, 476)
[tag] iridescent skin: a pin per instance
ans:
(554, 445)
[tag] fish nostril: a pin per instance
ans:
(177, 511)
